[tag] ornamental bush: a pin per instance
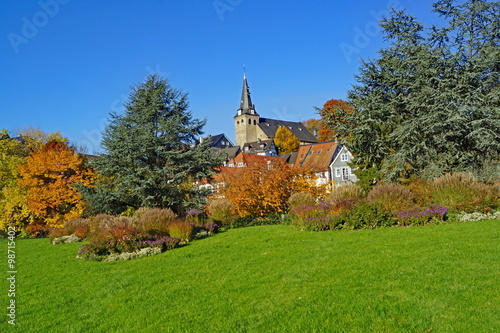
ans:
(461, 192)
(102, 249)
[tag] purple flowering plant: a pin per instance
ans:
(421, 216)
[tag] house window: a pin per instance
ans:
(249, 121)
(231, 165)
(319, 151)
(338, 172)
(344, 157)
(345, 173)
(255, 122)
(241, 164)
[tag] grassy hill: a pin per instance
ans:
(441, 278)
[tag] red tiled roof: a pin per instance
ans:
(317, 156)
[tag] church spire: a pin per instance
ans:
(246, 106)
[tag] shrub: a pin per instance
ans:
(101, 249)
(304, 211)
(476, 216)
(66, 239)
(365, 215)
(57, 233)
(154, 219)
(391, 197)
(300, 199)
(222, 211)
(196, 216)
(342, 205)
(462, 192)
(78, 226)
(182, 230)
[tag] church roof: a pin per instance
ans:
(269, 127)
(246, 106)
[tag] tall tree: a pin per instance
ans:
(50, 175)
(430, 103)
(151, 152)
(14, 151)
(285, 140)
(333, 111)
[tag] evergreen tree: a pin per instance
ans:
(430, 103)
(151, 157)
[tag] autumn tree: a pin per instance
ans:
(285, 140)
(333, 113)
(262, 189)
(14, 151)
(49, 176)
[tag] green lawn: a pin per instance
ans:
(441, 278)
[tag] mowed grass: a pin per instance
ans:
(440, 278)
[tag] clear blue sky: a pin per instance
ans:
(65, 64)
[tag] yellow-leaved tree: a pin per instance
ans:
(50, 175)
(285, 140)
(14, 151)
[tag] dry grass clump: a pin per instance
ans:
(347, 191)
(222, 211)
(463, 192)
(392, 197)
(154, 219)
(300, 199)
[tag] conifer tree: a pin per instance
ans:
(151, 154)
(430, 103)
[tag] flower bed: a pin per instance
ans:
(132, 244)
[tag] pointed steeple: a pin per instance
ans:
(246, 106)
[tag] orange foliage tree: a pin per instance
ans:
(332, 112)
(50, 175)
(263, 189)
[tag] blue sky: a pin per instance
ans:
(65, 64)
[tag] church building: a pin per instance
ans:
(251, 127)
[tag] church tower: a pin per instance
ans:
(247, 119)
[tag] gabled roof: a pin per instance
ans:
(217, 141)
(259, 146)
(269, 127)
(317, 156)
(290, 158)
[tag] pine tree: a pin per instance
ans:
(151, 156)
(430, 103)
